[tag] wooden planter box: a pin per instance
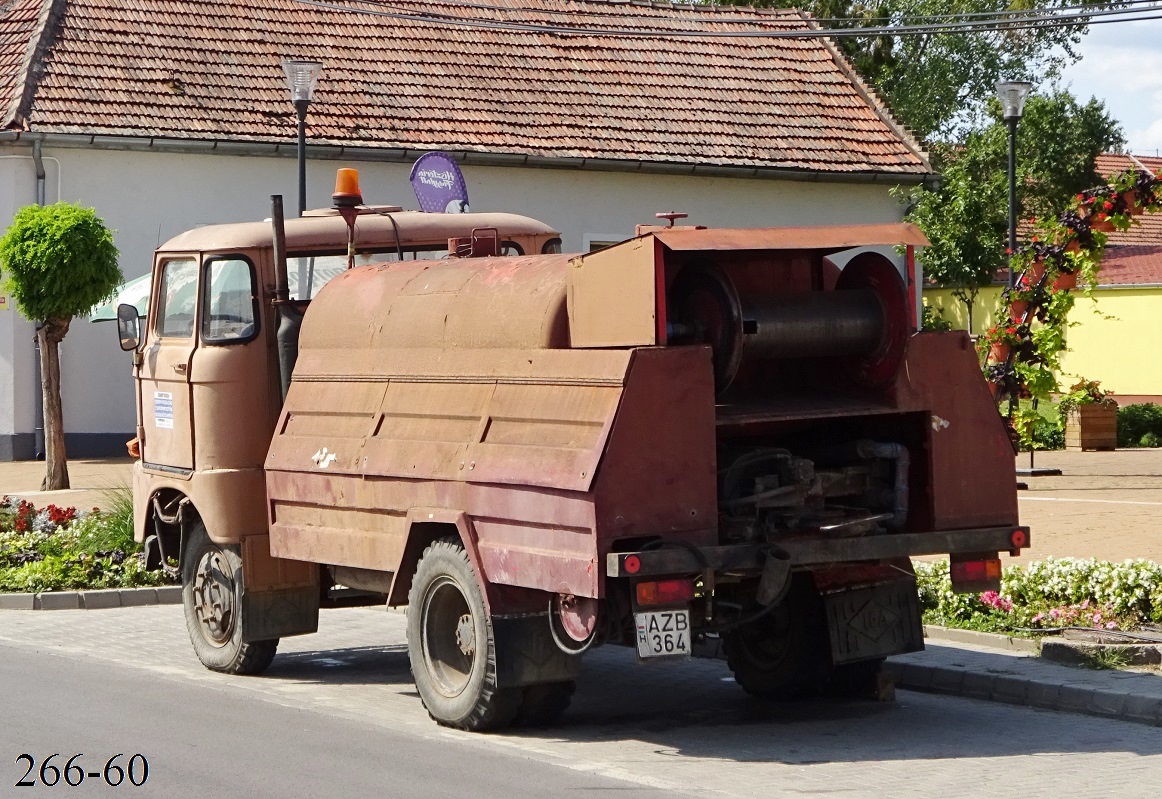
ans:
(1092, 427)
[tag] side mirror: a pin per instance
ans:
(128, 329)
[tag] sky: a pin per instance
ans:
(1121, 64)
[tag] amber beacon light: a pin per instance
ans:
(347, 194)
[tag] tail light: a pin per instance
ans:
(976, 574)
(664, 592)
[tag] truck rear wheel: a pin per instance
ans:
(543, 704)
(783, 654)
(212, 601)
(451, 645)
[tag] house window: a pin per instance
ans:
(230, 313)
(177, 299)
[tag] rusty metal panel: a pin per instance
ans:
(828, 238)
(324, 426)
(551, 558)
(536, 417)
(658, 473)
(972, 474)
(548, 435)
(267, 573)
(452, 304)
(613, 296)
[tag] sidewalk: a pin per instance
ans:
(1021, 678)
(91, 481)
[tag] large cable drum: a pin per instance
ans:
(862, 322)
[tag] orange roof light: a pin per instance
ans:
(347, 192)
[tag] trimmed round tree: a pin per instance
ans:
(58, 261)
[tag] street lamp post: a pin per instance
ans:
(301, 79)
(1012, 95)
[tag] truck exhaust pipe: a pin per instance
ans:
(290, 319)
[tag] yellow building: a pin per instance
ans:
(1114, 338)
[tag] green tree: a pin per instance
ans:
(966, 217)
(939, 84)
(59, 261)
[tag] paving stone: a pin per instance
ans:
(1146, 709)
(977, 685)
(169, 594)
(136, 597)
(947, 679)
(1074, 697)
(1107, 703)
(1043, 695)
(1007, 688)
(17, 601)
(58, 600)
(102, 599)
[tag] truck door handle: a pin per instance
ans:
(180, 368)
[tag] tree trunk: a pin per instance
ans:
(49, 336)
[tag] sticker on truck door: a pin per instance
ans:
(163, 409)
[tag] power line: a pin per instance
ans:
(1044, 19)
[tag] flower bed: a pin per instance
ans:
(1055, 592)
(58, 549)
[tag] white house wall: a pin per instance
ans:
(148, 197)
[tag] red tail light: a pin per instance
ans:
(982, 574)
(976, 570)
(664, 592)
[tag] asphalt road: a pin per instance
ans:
(337, 716)
(206, 741)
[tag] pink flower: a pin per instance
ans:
(1111, 625)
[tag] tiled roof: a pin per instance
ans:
(1129, 265)
(1149, 227)
(209, 69)
(21, 24)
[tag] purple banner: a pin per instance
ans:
(438, 184)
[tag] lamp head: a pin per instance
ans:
(301, 78)
(1012, 94)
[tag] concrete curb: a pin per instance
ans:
(93, 600)
(957, 669)
(991, 640)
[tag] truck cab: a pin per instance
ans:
(207, 366)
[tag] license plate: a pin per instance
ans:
(663, 633)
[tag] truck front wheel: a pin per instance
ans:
(451, 645)
(212, 600)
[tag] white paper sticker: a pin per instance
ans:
(163, 409)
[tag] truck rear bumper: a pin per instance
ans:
(749, 558)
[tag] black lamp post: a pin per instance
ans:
(301, 79)
(1012, 95)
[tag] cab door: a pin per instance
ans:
(166, 419)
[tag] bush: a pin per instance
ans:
(54, 549)
(1136, 422)
(1056, 592)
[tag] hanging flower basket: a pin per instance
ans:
(1065, 280)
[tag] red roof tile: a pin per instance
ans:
(1149, 227)
(1128, 265)
(210, 70)
(21, 24)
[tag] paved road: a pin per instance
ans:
(337, 716)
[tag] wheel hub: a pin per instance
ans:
(449, 636)
(466, 635)
(214, 598)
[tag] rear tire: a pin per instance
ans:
(543, 704)
(451, 645)
(781, 655)
(212, 602)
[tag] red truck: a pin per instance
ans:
(694, 443)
